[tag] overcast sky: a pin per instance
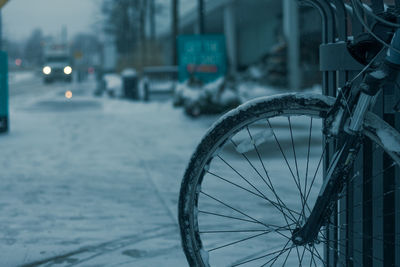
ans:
(20, 17)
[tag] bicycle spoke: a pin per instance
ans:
(297, 169)
(316, 171)
(223, 203)
(231, 231)
(276, 258)
(312, 258)
(261, 257)
(298, 255)
(269, 185)
(226, 216)
(276, 205)
(308, 157)
(287, 256)
(302, 256)
(234, 184)
(284, 156)
(239, 241)
(316, 254)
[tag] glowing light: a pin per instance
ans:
(47, 70)
(68, 94)
(18, 62)
(68, 70)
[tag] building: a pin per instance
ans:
(252, 28)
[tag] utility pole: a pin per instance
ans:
(175, 30)
(201, 12)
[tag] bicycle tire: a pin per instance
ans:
(226, 129)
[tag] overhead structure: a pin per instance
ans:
(3, 2)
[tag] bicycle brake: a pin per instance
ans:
(336, 116)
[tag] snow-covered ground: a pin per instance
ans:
(91, 181)
(20, 76)
(94, 181)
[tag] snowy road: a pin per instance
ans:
(89, 181)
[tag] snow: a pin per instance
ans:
(113, 83)
(389, 140)
(95, 181)
(256, 72)
(378, 74)
(20, 76)
(257, 139)
(336, 123)
(95, 177)
(128, 73)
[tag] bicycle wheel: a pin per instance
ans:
(252, 181)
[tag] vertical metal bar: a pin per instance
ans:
(397, 209)
(397, 192)
(330, 89)
(343, 208)
(366, 219)
(389, 183)
(377, 200)
(355, 234)
(356, 248)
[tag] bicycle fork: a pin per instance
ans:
(333, 184)
(337, 173)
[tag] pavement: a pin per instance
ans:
(91, 181)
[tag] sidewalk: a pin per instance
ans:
(93, 182)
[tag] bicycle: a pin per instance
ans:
(237, 204)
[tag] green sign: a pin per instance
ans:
(3, 92)
(202, 57)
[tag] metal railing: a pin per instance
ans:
(367, 210)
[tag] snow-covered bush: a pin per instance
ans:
(113, 84)
(214, 97)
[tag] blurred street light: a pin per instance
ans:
(68, 94)
(68, 70)
(47, 70)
